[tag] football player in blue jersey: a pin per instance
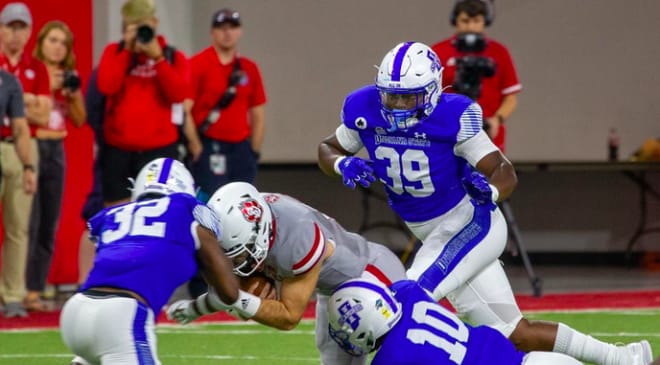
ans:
(407, 327)
(443, 176)
(145, 249)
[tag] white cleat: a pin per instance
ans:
(639, 352)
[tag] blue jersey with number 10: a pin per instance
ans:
(418, 165)
(148, 247)
(427, 333)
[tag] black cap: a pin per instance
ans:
(224, 16)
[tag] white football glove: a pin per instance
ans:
(182, 312)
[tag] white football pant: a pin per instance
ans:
(109, 330)
(459, 260)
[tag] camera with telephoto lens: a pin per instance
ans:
(71, 81)
(471, 68)
(145, 33)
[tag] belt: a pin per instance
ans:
(8, 139)
(112, 292)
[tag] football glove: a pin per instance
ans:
(355, 170)
(478, 188)
(182, 312)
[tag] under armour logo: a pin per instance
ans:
(244, 303)
(361, 123)
(420, 135)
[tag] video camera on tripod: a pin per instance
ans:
(472, 67)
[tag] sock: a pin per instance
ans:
(584, 347)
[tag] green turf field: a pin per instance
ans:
(255, 344)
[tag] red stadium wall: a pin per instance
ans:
(77, 14)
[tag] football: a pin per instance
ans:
(256, 283)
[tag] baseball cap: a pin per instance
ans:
(13, 12)
(138, 10)
(226, 15)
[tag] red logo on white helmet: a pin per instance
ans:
(251, 210)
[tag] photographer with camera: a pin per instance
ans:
(55, 49)
(145, 82)
(480, 67)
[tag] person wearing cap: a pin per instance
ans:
(15, 31)
(145, 82)
(231, 135)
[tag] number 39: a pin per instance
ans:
(410, 167)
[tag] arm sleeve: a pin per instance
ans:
(15, 106)
(475, 148)
(348, 139)
(471, 122)
(112, 69)
(174, 79)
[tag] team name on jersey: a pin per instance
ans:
(419, 140)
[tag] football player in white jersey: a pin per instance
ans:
(443, 177)
(300, 247)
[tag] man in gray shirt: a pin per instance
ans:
(12, 111)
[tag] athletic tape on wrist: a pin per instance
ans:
(336, 165)
(247, 304)
(495, 193)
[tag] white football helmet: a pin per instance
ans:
(410, 83)
(360, 312)
(246, 225)
(163, 176)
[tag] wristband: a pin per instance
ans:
(495, 194)
(336, 165)
(208, 303)
(247, 304)
(28, 166)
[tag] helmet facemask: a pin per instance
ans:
(247, 257)
(246, 225)
(404, 108)
(408, 81)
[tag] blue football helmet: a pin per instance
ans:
(409, 80)
(359, 312)
(163, 176)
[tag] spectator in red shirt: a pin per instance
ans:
(15, 31)
(498, 97)
(145, 91)
(231, 135)
(54, 48)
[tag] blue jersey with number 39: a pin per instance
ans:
(427, 333)
(418, 165)
(148, 247)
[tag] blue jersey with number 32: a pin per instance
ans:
(418, 165)
(148, 247)
(428, 333)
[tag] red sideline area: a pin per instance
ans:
(572, 301)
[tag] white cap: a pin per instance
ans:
(13, 12)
